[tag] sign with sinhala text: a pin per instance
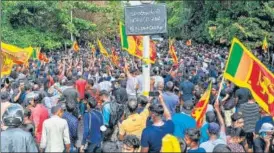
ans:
(146, 19)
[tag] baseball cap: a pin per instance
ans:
(213, 128)
(188, 106)
(236, 116)
(267, 127)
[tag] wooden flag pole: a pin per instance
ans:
(220, 88)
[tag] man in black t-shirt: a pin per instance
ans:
(241, 96)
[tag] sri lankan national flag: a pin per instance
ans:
(172, 52)
(16, 54)
(75, 46)
(114, 57)
(198, 113)
(265, 45)
(134, 45)
(6, 64)
(102, 48)
(245, 70)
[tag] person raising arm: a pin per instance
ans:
(151, 139)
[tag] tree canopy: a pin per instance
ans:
(47, 24)
(217, 22)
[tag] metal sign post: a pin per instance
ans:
(145, 20)
(146, 67)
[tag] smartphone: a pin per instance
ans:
(7, 81)
(249, 139)
(154, 93)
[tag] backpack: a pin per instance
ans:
(170, 144)
(116, 113)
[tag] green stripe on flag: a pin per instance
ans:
(235, 59)
(34, 55)
(124, 40)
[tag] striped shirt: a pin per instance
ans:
(251, 114)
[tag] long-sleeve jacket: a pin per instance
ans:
(17, 140)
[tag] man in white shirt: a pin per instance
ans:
(55, 133)
(105, 84)
(132, 83)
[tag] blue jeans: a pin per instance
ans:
(93, 148)
(73, 149)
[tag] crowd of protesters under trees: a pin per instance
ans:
(78, 102)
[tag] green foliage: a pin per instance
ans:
(48, 23)
(217, 22)
(109, 22)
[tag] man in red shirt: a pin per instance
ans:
(49, 82)
(39, 114)
(80, 85)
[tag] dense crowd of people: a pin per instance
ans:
(78, 102)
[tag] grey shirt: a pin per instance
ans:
(251, 114)
(17, 140)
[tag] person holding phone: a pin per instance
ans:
(135, 123)
(151, 139)
(265, 142)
